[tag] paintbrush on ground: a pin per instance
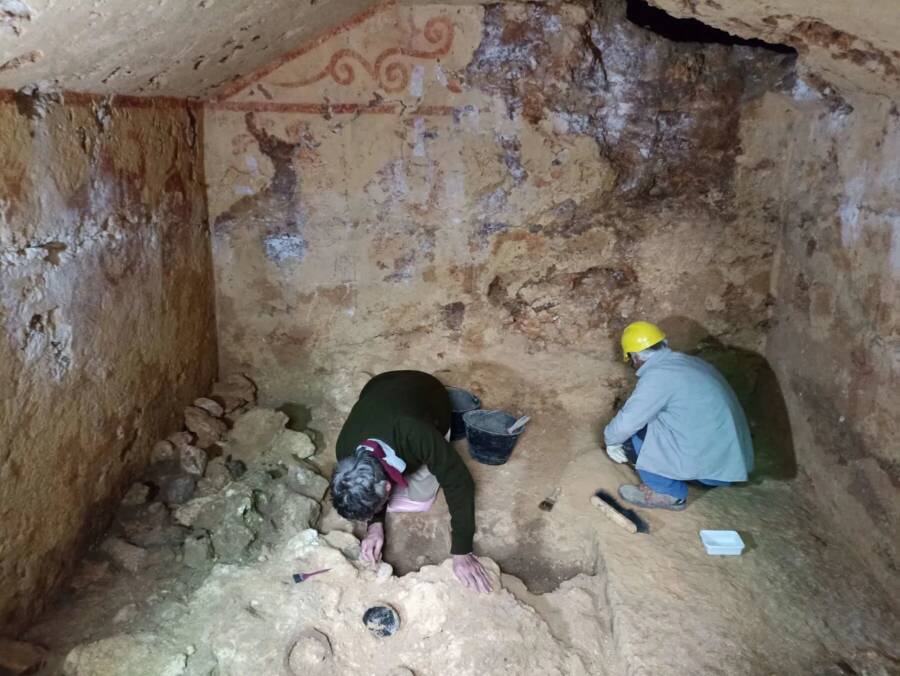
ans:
(617, 513)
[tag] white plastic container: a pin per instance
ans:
(722, 542)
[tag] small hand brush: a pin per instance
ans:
(624, 517)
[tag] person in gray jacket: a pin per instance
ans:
(682, 423)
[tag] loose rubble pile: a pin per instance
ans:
(232, 481)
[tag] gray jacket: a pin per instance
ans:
(696, 428)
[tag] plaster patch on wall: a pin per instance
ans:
(13, 13)
(494, 202)
(417, 81)
(803, 91)
(895, 245)
(46, 334)
(440, 75)
(419, 129)
(850, 210)
(284, 248)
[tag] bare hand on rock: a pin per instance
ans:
(370, 547)
(471, 573)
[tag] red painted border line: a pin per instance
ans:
(434, 111)
(312, 108)
(70, 98)
(326, 108)
(241, 84)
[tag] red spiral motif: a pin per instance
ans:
(391, 76)
(439, 29)
(395, 77)
(342, 71)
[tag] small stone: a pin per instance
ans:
(138, 494)
(207, 429)
(292, 446)
(254, 434)
(237, 468)
(163, 451)
(345, 542)
(124, 554)
(384, 573)
(233, 416)
(89, 573)
(193, 460)
(149, 525)
(198, 551)
(212, 407)
(141, 653)
(181, 439)
(217, 473)
(177, 489)
(382, 621)
(231, 542)
(310, 651)
(187, 513)
(308, 483)
(205, 489)
(292, 513)
(19, 657)
(234, 391)
(232, 521)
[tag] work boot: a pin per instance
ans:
(644, 496)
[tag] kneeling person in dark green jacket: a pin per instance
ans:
(393, 456)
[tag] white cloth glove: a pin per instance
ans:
(616, 453)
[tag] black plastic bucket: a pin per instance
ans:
(461, 402)
(489, 442)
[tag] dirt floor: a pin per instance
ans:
(579, 593)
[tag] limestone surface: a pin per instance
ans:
(103, 242)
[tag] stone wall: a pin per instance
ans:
(106, 317)
(461, 188)
(835, 342)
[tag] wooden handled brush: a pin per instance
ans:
(615, 512)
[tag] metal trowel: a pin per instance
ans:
(519, 424)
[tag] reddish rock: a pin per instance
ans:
(162, 451)
(234, 391)
(18, 657)
(211, 406)
(208, 430)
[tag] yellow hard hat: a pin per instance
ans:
(639, 336)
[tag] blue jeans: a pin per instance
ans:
(660, 484)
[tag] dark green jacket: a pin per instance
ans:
(410, 411)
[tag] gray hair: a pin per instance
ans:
(358, 490)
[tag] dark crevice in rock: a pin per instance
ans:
(658, 21)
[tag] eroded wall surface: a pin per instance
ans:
(107, 317)
(849, 45)
(184, 48)
(451, 187)
(835, 342)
